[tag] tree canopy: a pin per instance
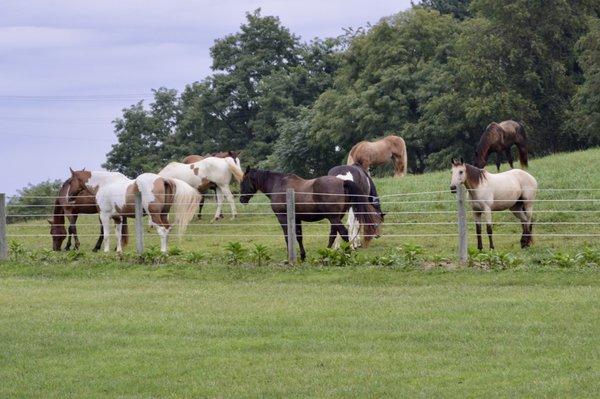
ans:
(435, 74)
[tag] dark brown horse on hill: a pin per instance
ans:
(325, 197)
(499, 138)
(84, 203)
(190, 159)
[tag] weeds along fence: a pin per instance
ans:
(436, 220)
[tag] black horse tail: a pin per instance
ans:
(365, 212)
(374, 197)
(124, 232)
(522, 144)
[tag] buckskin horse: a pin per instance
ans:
(499, 138)
(325, 197)
(390, 148)
(490, 192)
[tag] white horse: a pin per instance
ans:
(514, 190)
(209, 170)
(115, 196)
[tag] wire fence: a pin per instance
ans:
(559, 214)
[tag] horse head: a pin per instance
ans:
(459, 174)
(78, 182)
(248, 186)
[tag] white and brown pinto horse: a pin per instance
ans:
(489, 192)
(115, 197)
(206, 172)
(390, 148)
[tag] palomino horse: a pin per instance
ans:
(362, 179)
(499, 138)
(202, 174)
(390, 148)
(196, 158)
(325, 197)
(84, 203)
(488, 192)
(115, 196)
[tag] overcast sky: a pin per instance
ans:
(68, 67)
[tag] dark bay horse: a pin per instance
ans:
(325, 197)
(499, 138)
(364, 182)
(83, 203)
(190, 159)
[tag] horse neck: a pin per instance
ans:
(58, 215)
(266, 185)
(101, 178)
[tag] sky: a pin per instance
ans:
(68, 67)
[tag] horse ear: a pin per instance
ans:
(72, 171)
(247, 169)
(83, 168)
(454, 161)
(462, 161)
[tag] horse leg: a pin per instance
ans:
(528, 211)
(105, 219)
(519, 211)
(478, 229)
(487, 213)
(333, 238)
(230, 199)
(200, 205)
(100, 239)
(218, 214)
(299, 239)
(509, 157)
(353, 229)
(498, 160)
(282, 219)
(118, 232)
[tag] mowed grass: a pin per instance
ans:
(101, 326)
(305, 332)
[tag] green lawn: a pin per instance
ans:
(176, 331)
(511, 324)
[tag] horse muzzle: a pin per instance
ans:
(453, 189)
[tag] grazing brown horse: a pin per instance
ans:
(83, 203)
(325, 197)
(499, 138)
(390, 148)
(190, 159)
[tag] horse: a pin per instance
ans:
(202, 174)
(362, 179)
(390, 148)
(196, 158)
(325, 197)
(84, 203)
(115, 196)
(490, 192)
(498, 138)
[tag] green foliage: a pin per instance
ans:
(153, 255)
(35, 199)
(16, 249)
(260, 255)
(494, 260)
(343, 256)
(195, 256)
(235, 253)
(174, 251)
(75, 255)
(457, 8)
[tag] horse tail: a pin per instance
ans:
(365, 212)
(234, 169)
(522, 144)
(185, 203)
(124, 232)
(403, 155)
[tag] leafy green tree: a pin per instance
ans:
(457, 8)
(583, 121)
(35, 200)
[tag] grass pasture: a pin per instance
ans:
(96, 325)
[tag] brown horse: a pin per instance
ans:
(499, 138)
(325, 197)
(390, 148)
(190, 159)
(83, 203)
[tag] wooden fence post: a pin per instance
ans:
(462, 225)
(3, 242)
(290, 200)
(139, 224)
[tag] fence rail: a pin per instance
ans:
(433, 217)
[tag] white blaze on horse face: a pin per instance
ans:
(459, 175)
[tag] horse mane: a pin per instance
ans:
(474, 175)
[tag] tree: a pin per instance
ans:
(35, 200)
(457, 8)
